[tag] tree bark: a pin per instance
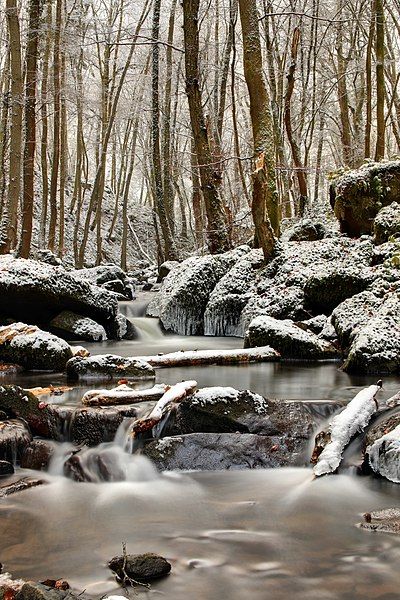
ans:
(380, 80)
(217, 232)
(265, 206)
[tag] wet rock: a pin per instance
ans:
(37, 455)
(123, 329)
(358, 196)
(186, 290)
(387, 223)
(306, 231)
(32, 348)
(110, 277)
(165, 269)
(42, 291)
(326, 289)
(76, 327)
(6, 468)
(230, 296)
(93, 426)
(288, 339)
(38, 591)
(108, 366)
(386, 520)
(216, 451)
(43, 419)
(14, 437)
(140, 567)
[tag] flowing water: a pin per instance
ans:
(244, 534)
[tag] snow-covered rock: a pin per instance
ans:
(357, 196)
(108, 366)
(41, 291)
(76, 327)
(186, 290)
(387, 223)
(32, 348)
(375, 347)
(230, 296)
(354, 313)
(306, 231)
(384, 455)
(166, 268)
(288, 339)
(111, 277)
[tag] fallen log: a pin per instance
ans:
(174, 394)
(329, 444)
(194, 358)
(123, 394)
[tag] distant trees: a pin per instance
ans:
(112, 110)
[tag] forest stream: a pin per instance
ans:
(272, 533)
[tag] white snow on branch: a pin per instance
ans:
(352, 419)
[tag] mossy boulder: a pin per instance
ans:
(358, 196)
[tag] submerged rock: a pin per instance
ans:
(357, 196)
(387, 223)
(108, 366)
(32, 348)
(76, 327)
(140, 567)
(38, 591)
(288, 339)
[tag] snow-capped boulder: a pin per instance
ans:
(186, 290)
(32, 348)
(333, 284)
(230, 296)
(354, 313)
(306, 231)
(165, 269)
(108, 366)
(110, 277)
(76, 327)
(357, 196)
(315, 324)
(42, 291)
(288, 339)
(278, 302)
(387, 223)
(375, 347)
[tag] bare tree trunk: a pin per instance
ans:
(265, 207)
(30, 128)
(368, 71)
(380, 80)
(217, 233)
(44, 123)
(10, 219)
(170, 252)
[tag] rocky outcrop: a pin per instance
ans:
(288, 339)
(109, 277)
(357, 196)
(186, 290)
(76, 327)
(387, 223)
(108, 366)
(42, 291)
(32, 348)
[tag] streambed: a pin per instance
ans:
(256, 534)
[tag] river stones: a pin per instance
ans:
(6, 468)
(108, 366)
(288, 339)
(139, 567)
(38, 591)
(93, 426)
(37, 455)
(14, 437)
(386, 520)
(32, 348)
(77, 327)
